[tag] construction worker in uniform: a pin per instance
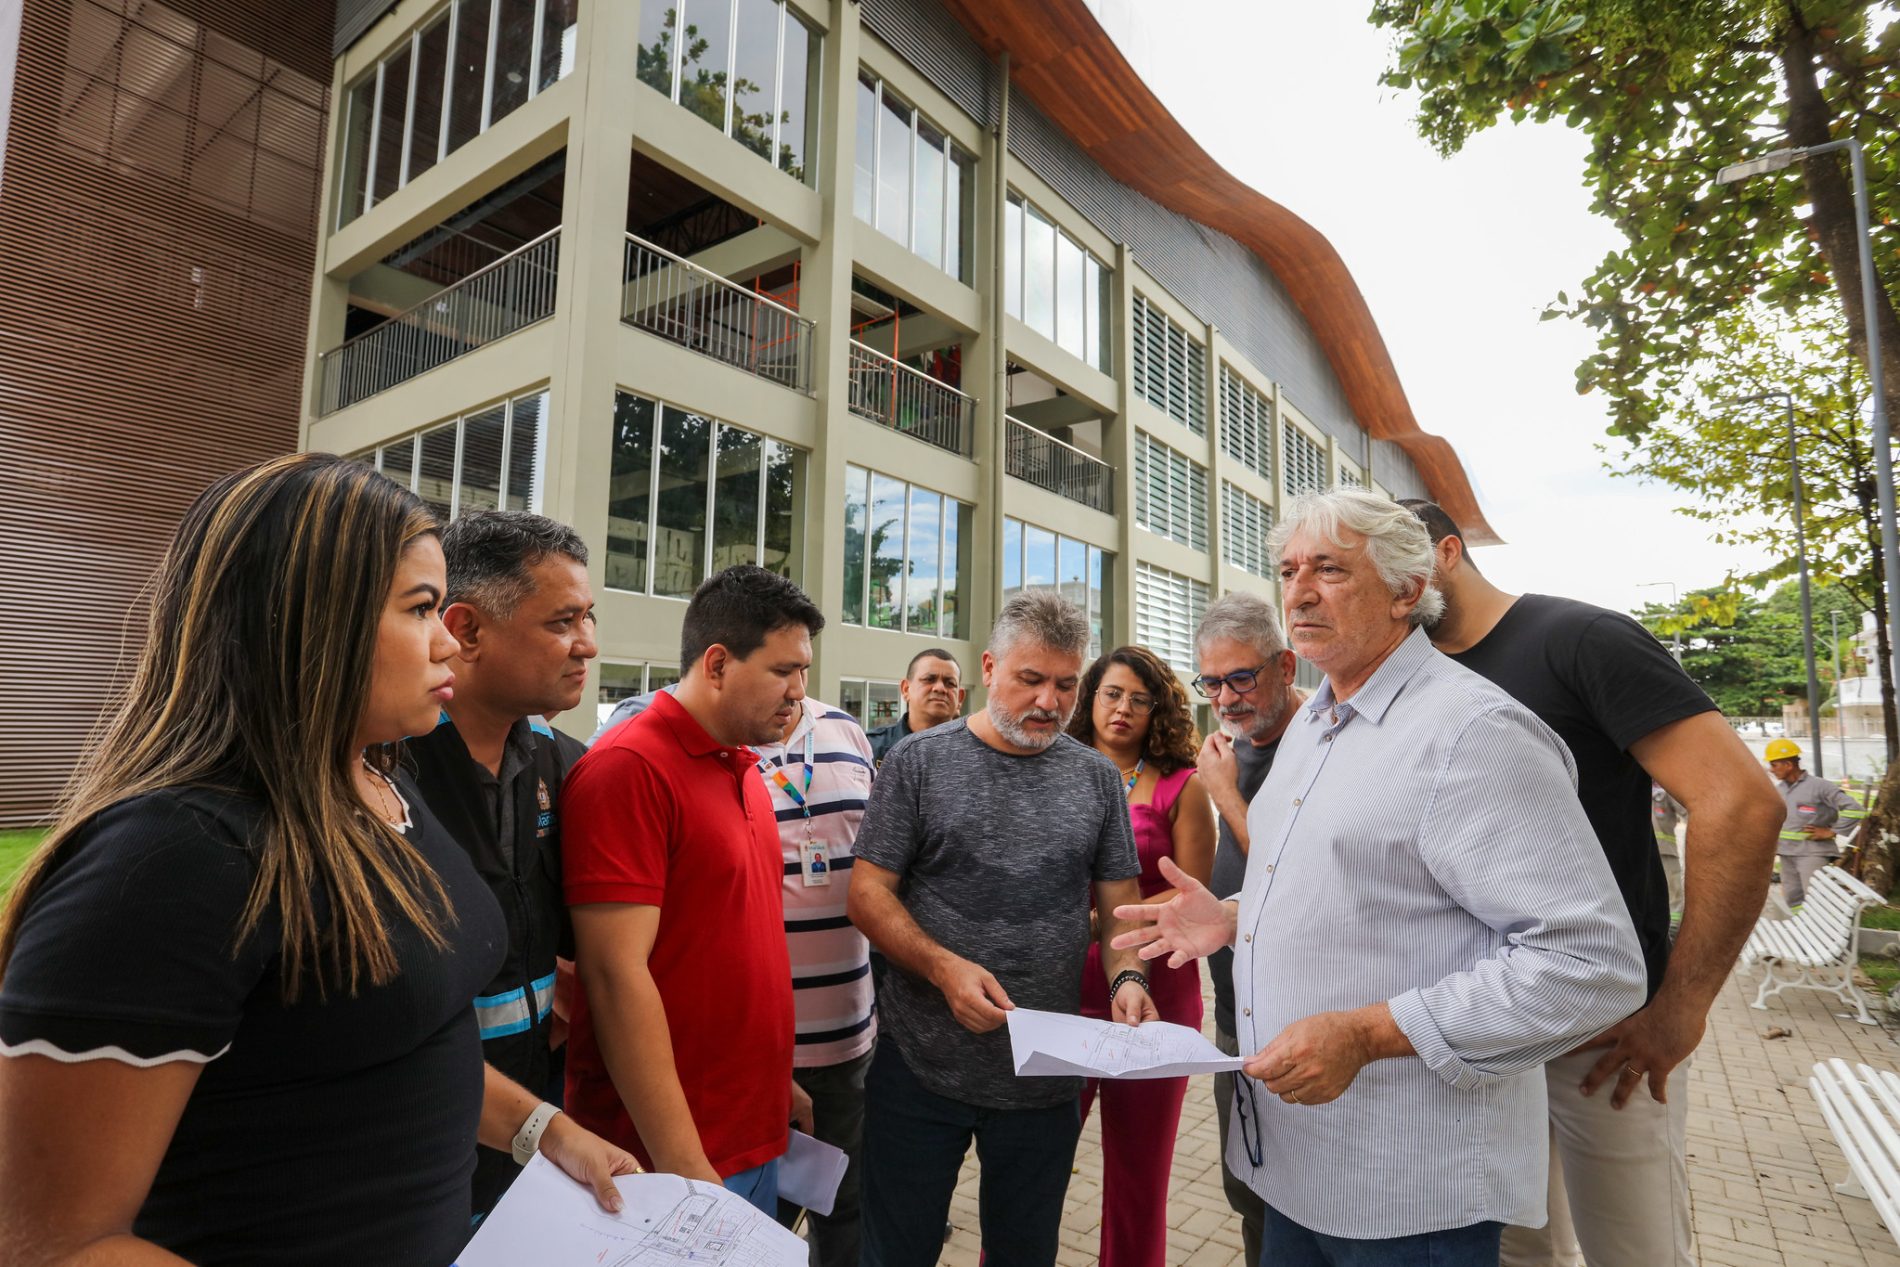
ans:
(1815, 806)
(1665, 812)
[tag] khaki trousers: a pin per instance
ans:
(1619, 1179)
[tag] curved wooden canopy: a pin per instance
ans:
(1069, 66)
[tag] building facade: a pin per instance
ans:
(161, 167)
(854, 291)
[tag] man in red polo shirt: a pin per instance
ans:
(681, 1047)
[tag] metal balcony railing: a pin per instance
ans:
(491, 303)
(683, 303)
(891, 393)
(1040, 459)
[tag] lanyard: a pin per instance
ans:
(1128, 789)
(785, 784)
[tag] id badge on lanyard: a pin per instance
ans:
(814, 863)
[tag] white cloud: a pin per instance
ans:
(1457, 258)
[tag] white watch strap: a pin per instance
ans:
(528, 1138)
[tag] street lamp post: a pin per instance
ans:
(1675, 639)
(1801, 556)
(1775, 161)
(1840, 697)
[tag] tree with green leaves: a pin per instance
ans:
(1745, 651)
(1668, 91)
(1732, 455)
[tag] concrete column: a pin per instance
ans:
(825, 297)
(1118, 447)
(329, 298)
(587, 302)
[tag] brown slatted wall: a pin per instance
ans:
(157, 241)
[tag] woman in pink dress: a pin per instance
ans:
(1132, 709)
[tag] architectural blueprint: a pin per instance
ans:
(548, 1220)
(1053, 1044)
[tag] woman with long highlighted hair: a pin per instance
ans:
(237, 978)
(1132, 709)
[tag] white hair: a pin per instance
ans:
(1045, 618)
(1242, 617)
(1396, 543)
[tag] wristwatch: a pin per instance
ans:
(528, 1138)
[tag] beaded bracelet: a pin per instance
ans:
(1122, 978)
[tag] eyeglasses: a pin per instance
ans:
(1141, 705)
(1241, 683)
(1249, 1116)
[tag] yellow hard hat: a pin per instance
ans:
(1781, 750)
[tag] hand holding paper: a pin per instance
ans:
(1052, 1044)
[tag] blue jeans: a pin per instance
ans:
(759, 1186)
(1287, 1244)
(914, 1142)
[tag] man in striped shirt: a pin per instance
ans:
(819, 776)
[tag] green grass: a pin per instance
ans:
(1882, 971)
(14, 848)
(1881, 917)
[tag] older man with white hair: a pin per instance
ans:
(979, 851)
(1422, 926)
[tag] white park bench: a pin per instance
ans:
(1862, 1108)
(1818, 948)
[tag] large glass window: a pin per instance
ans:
(687, 493)
(1170, 492)
(1036, 558)
(1170, 366)
(748, 67)
(468, 72)
(679, 525)
(483, 460)
(886, 604)
(894, 122)
(514, 56)
(902, 568)
(705, 59)
(1168, 608)
(629, 493)
(425, 120)
(872, 702)
(913, 183)
(1013, 257)
(736, 492)
(560, 41)
(755, 74)
(857, 513)
(392, 111)
(470, 64)
(621, 680)
(1053, 284)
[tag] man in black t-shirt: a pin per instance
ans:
(1629, 714)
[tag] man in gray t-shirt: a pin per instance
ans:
(981, 847)
(1247, 675)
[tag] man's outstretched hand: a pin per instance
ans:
(1191, 925)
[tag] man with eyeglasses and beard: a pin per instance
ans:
(981, 847)
(1247, 675)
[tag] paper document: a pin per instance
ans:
(809, 1173)
(1053, 1044)
(548, 1220)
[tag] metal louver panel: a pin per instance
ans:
(1168, 608)
(158, 207)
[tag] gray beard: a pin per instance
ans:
(1011, 729)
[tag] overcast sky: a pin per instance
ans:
(1457, 258)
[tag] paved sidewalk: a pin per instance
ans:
(1762, 1164)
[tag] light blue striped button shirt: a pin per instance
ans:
(1426, 849)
